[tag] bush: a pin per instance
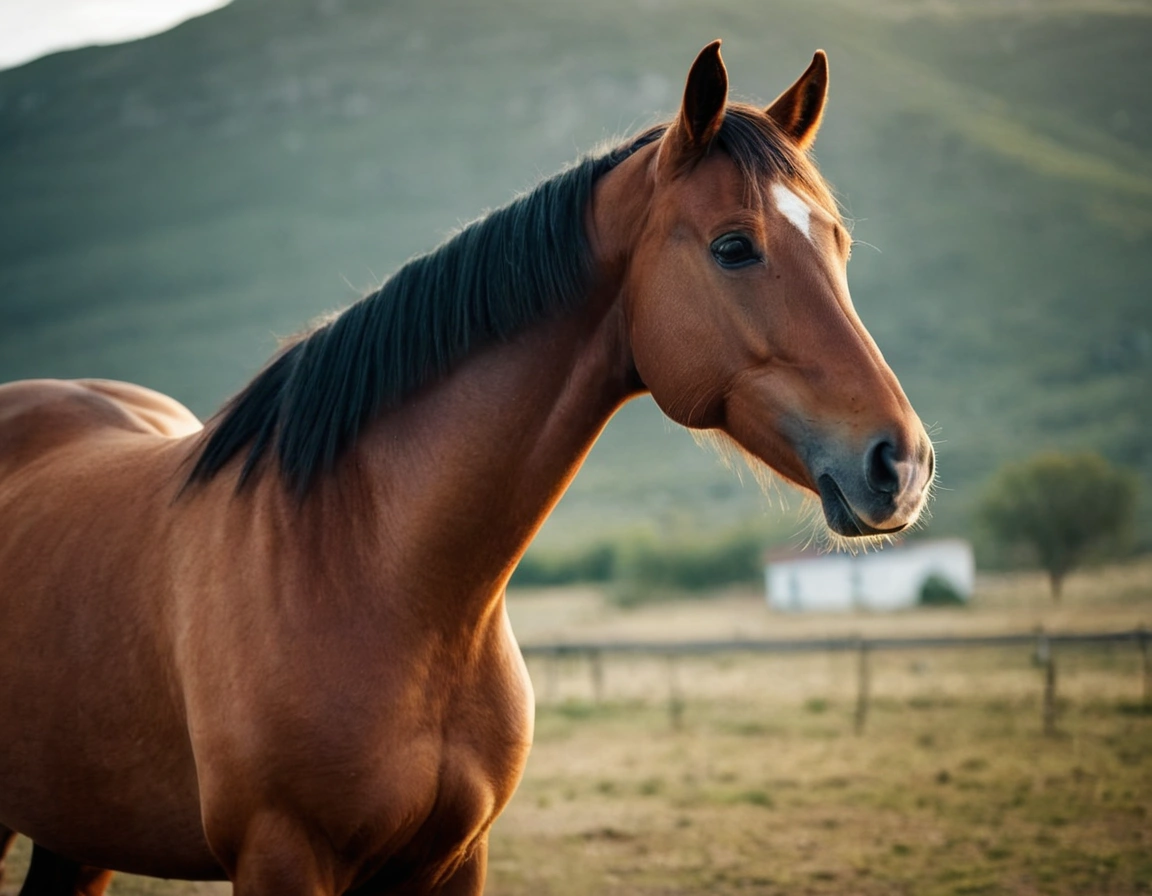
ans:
(641, 567)
(937, 591)
(647, 569)
(595, 563)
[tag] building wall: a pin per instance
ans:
(821, 584)
(887, 579)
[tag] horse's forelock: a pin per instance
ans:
(765, 155)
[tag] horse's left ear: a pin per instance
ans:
(798, 110)
(702, 111)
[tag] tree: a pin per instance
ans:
(1062, 506)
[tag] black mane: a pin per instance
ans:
(519, 264)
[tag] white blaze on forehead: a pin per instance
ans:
(793, 208)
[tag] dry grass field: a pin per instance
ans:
(758, 783)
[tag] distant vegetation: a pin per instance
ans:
(1061, 508)
(595, 563)
(641, 567)
(172, 205)
(938, 591)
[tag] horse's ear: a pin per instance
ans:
(702, 112)
(798, 110)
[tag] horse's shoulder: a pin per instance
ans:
(37, 415)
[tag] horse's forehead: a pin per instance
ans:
(793, 207)
(717, 187)
(714, 184)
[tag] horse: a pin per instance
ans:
(274, 649)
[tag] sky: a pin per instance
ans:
(32, 28)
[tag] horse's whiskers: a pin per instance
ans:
(736, 458)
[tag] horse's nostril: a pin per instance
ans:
(880, 468)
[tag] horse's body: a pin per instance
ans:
(308, 683)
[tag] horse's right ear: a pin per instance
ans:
(701, 112)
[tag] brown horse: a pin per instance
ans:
(276, 649)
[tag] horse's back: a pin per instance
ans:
(88, 683)
(36, 415)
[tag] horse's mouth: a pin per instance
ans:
(840, 516)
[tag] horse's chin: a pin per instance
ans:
(841, 518)
(835, 526)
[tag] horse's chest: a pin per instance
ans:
(447, 814)
(402, 773)
(447, 835)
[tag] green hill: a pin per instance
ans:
(169, 206)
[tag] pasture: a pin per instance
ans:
(764, 788)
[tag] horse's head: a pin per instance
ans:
(738, 307)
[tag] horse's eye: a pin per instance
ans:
(734, 250)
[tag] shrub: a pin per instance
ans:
(595, 563)
(938, 591)
(646, 569)
(642, 567)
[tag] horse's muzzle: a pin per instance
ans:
(883, 497)
(840, 516)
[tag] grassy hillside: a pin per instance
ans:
(168, 207)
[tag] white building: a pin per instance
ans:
(885, 579)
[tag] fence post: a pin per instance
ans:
(863, 685)
(1050, 696)
(675, 699)
(596, 667)
(1146, 664)
(1043, 647)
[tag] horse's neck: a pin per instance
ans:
(456, 481)
(462, 476)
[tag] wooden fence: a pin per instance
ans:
(1041, 642)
